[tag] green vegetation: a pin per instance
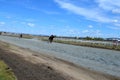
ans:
(5, 72)
(95, 38)
(88, 44)
(23, 36)
(27, 36)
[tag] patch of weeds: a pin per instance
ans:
(5, 72)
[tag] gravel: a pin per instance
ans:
(106, 61)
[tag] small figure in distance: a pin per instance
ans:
(51, 38)
(20, 36)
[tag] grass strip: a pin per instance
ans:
(87, 44)
(5, 72)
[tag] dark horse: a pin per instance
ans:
(51, 38)
(20, 36)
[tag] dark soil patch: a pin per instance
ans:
(25, 70)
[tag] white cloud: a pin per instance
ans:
(117, 24)
(30, 24)
(30, 20)
(111, 5)
(115, 20)
(116, 11)
(98, 13)
(85, 31)
(90, 26)
(114, 27)
(2, 23)
(50, 12)
(73, 32)
(92, 32)
(91, 14)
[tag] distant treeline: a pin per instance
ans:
(93, 38)
(84, 38)
(66, 37)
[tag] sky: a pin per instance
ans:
(80, 18)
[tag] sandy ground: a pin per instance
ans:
(29, 65)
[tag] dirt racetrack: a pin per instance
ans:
(25, 70)
(102, 60)
(29, 65)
